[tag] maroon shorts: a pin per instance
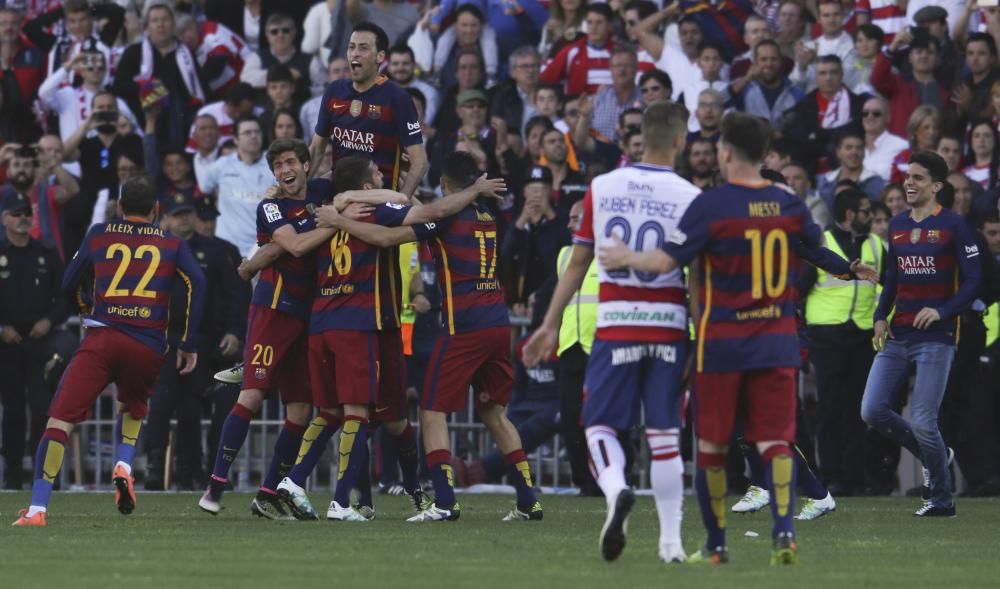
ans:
(276, 355)
(391, 405)
(343, 368)
(478, 358)
(106, 356)
(765, 399)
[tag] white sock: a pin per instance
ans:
(666, 474)
(35, 509)
(607, 459)
(125, 465)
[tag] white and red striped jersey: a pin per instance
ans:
(640, 205)
(216, 110)
(581, 67)
(885, 14)
(214, 39)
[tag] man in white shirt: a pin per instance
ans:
(833, 41)
(206, 138)
(241, 179)
(881, 146)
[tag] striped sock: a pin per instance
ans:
(667, 478)
(314, 441)
(126, 434)
(607, 461)
(443, 477)
(781, 485)
(710, 484)
(286, 448)
(48, 462)
(520, 477)
(353, 457)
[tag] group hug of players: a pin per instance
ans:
(324, 321)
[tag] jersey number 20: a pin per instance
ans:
(624, 233)
(764, 277)
(126, 255)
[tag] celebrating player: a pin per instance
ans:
(133, 265)
(640, 349)
(348, 325)
(370, 115)
(475, 346)
(748, 235)
(933, 274)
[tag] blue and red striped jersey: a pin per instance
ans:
(287, 285)
(465, 250)
(749, 239)
(377, 123)
(350, 292)
(133, 266)
(932, 263)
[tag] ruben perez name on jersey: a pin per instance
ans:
(640, 205)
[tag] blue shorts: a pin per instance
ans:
(621, 375)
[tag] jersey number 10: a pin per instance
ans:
(763, 275)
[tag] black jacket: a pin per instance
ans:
(31, 286)
(804, 129)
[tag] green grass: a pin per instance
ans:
(168, 542)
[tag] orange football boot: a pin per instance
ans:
(124, 491)
(36, 520)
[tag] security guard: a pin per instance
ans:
(222, 325)
(840, 327)
(576, 336)
(31, 307)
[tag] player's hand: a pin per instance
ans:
(186, 361)
(961, 95)
(421, 304)
(357, 211)
(327, 216)
(272, 191)
(491, 187)
(882, 333)
(864, 271)
(40, 329)
(246, 271)
(229, 345)
(614, 256)
(902, 39)
(540, 346)
(9, 335)
(926, 317)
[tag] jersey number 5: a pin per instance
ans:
(487, 253)
(764, 276)
(340, 254)
(126, 255)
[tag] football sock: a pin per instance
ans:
(520, 476)
(234, 433)
(314, 441)
(758, 475)
(667, 478)
(781, 485)
(286, 448)
(806, 478)
(353, 457)
(607, 460)
(710, 484)
(406, 450)
(126, 435)
(48, 462)
(443, 477)
(365, 481)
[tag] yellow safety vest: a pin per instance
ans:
(833, 301)
(409, 266)
(992, 321)
(579, 320)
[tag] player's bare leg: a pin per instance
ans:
(353, 461)
(434, 425)
(495, 418)
(710, 485)
(48, 462)
(780, 468)
(314, 442)
(234, 433)
(406, 448)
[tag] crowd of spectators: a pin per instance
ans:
(547, 94)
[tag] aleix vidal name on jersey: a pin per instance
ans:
(627, 205)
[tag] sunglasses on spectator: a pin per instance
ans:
(280, 31)
(19, 214)
(871, 113)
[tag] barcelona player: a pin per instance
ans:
(371, 116)
(131, 265)
(640, 349)
(474, 346)
(347, 331)
(747, 235)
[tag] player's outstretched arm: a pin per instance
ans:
(300, 244)
(543, 342)
(453, 203)
(373, 197)
(317, 151)
(618, 256)
(329, 218)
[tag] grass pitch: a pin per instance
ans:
(168, 542)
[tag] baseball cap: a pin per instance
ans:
(178, 202)
(470, 95)
(14, 202)
(205, 209)
(539, 174)
(930, 14)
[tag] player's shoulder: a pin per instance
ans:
(340, 87)
(319, 190)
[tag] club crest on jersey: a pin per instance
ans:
(311, 208)
(933, 236)
(356, 108)
(260, 373)
(374, 112)
(915, 235)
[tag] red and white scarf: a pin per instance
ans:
(185, 64)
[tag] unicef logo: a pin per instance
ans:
(145, 313)
(348, 289)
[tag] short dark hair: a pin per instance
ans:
(983, 38)
(934, 163)
(471, 9)
(461, 170)
(556, 88)
(76, 6)
(831, 59)
(174, 150)
(401, 48)
(137, 196)
(880, 207)
(847, 200)
(923, 39)
(871, 32)
(351, 172)
(280, 72)
(239, 93)
(643, 7)
(602, 9)
(984, 218)
(766, 43)
(746, 135)
(247, 119)
(632, 110)
(849, 133)
(381, 39)
(537, 121)
(660, 76)
(709, 44)
(276, 18)
(291, 114)
(280, 146)
(946, 196)
(784, 148)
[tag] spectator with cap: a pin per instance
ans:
(585, 64)
(474, 135)
(308, 72)
(920, 87)
(533, 241)
(471, 74)
(32, 306)
(934, 19)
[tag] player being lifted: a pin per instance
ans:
(349, 327)
(132, 264)
(474, 347)
(748, 236)
(641, 346)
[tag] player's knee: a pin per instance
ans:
(773, 448)
(59, 424)
(298, 413)
(252, 399)
(707, 447)
(395, 427)
(356, 410)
